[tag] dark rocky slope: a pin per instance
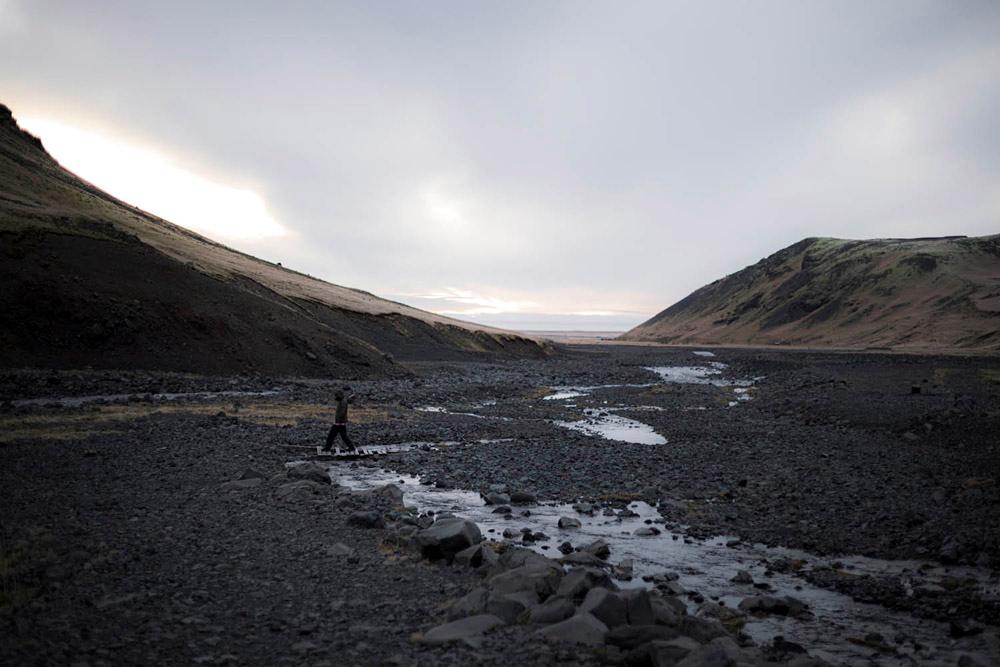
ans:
(91, 281)
(930, 294)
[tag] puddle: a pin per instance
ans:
(77, 401)
(703, 353)
(696, 375)
(602, 423)
(562, 393)
(710, 374)
(742, 394)
(605, 424)
(707, 567)
(445, 411)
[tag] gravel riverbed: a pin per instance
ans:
(124, 541)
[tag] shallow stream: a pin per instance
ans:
(706, 567)
(602, 422)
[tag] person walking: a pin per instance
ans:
(340, 420)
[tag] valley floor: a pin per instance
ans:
(123, 543)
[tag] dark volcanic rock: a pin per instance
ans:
(447, 537)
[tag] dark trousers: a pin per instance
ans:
(340, 429)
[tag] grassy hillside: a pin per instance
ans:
(921, 294)
(91, 281)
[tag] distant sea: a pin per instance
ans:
(567, 335)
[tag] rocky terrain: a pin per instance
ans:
(90, 281)
(909, 294)
(805, 506)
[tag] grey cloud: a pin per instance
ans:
(604, 148)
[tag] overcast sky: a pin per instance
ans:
(537, 164)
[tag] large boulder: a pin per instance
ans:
(580, 580)
(509, 607)
(720, 652)
(567, 522)
(314, 472)
(639, 604)
(578, 629)
(662, 652)
(470, 604)
(519, 556)
(446, 537)
(551, 611)
(666, 614)
(541, 580)
(478, 555)
(606, 606)
(465, 629)
(703, 630)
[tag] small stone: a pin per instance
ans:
(742, 577)
(964, 627)
(778, 606)
(340, 550)
(522, 498)
(599, 548)
(496, 499)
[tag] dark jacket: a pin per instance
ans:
(341, 417)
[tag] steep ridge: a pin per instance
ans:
(89, 280)
(918, 294)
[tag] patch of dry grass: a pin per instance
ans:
(990, 376)
(538, 393)
(940, 375)
(68, 425)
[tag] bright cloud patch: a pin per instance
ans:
(471, 303)
(150, 181)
